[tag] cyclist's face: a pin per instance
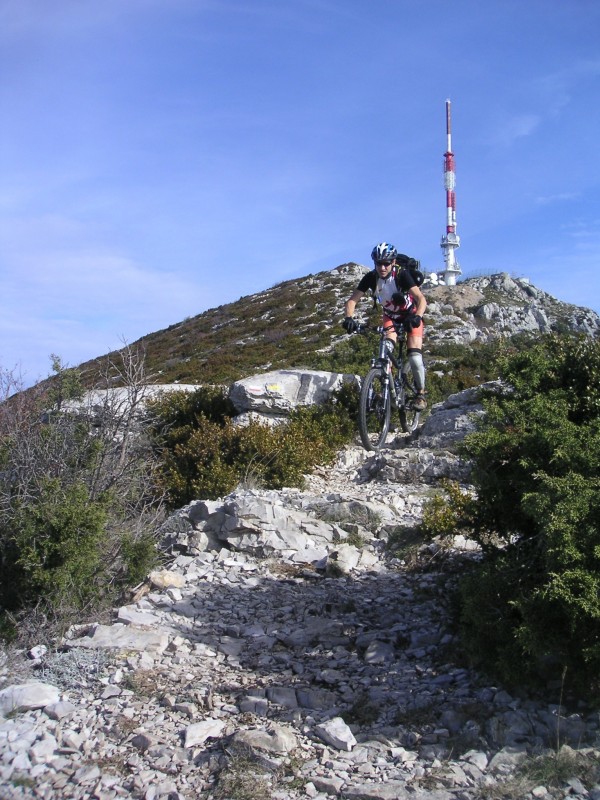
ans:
(384, 268)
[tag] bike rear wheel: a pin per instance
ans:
(374, 410)
(409, 417)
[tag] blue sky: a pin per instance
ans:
(162, 157)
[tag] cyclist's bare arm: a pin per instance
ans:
(419, 299)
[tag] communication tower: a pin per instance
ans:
(451, 241)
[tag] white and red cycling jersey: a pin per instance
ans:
(396, 283)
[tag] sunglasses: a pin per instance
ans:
(383, 263)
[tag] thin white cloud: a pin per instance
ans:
(548, 96)
(516, 127)
(546, 200)
(64, 292)
(23, 18)
(585, 235)
(107, 288)
(556, 89)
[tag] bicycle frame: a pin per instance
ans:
(382, 388)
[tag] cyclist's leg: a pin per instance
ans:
(390, 331)
(414, 349)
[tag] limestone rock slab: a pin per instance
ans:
(27, 696)
(122, 637)
(280, 391)
(336, 733)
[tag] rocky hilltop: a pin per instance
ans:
(480, 309)
(288, 649)
(293, 323)
(288, 653)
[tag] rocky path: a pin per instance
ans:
(284, 654)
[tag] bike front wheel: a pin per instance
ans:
(374, 410)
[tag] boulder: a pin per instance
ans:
(451, 420)
(280, 392)
(277, 739)
(27, 696)
(120, 637)
(336, 733)
(258, 523)
(199, 732)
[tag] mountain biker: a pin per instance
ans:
(402, 303)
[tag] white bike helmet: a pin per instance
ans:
(383, 252)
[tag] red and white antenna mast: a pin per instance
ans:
(451, 241)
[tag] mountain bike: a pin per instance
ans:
(387, 383)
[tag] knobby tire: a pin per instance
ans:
(373, 413)
(409, 417)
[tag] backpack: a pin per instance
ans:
(412, 265)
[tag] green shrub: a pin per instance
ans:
(352, 355)
(52, 547)
(79, 502)
(448, 514)
(405, 542)
(204, 458)
(176, 409)
(532, 607)
(139, 556)
(244, 777)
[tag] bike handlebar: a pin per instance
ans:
(364, 327)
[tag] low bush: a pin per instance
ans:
(54, 547)
(531, 608)
(207, 458)
(405, 542)
(449, 513)
(79, 502)
(179, 409)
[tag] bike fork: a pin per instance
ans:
(393, 388)
(388, 385)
